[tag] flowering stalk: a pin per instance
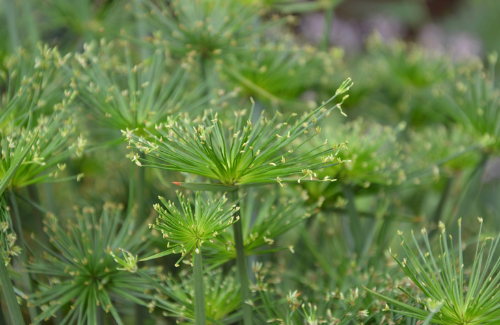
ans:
(187, 230)
(8, 249)
(241, 263)
(451, 297)
(27, 282)
(199, 298)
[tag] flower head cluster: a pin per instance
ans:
(81, 270)
(82, 20)
(202, 27)
(453, 296)
(221, 292)
(374, 155)
(33, 112)
(187, 230)
(282, 309)
(277, 72)
(8, 237)
(32, 83)
(261, 226)
(259, 152)
(123, 95)
(52, 140)
(412, 65)
(438, 150)
(474, 102)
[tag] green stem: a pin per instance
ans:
(28, 286)
(469, 193)
(199, 291)
(241, 264)
(355, 225)
(438, 213)
(30, 24)
(10, 296)
(141, 29)
(11, 25)
(203, 70)
(34, 200)
(34, 197)
(140, 188)
(326, 32)
(141, 312)
(100, 316)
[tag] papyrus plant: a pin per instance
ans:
(278, 72)
(453, 293)
(187, 230)
(80, 268)
(263, 220)
(122, 92)
(36, 104)
(202, 28)
(221, 292)
(250, 154)
(474, 102)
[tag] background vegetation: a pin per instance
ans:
(284, 154)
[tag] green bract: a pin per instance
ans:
(221, 291)
(454, 295)
(250, 153)
(123, 94)
(278, 72)
(72, 22)
(439, 150)
(33, 83)
(373, 155)
(81, 269)
(187, 230)
(34, 112)
(202, 27)
(474, 102)
(8, 237)
(263, 220)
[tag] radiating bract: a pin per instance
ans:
(81, 269)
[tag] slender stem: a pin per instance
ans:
(100, 316)
(10, 296)
(30, 24)
(356, 227)
(140, 311)
(34, 197)
(131, 187)
(141, 29)
(326, 32)
(438, 213)
(199, 290)
(241, 264)
(462, 206)
(139, 193)
(28, 286)
(203, 70)
(11, 25)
